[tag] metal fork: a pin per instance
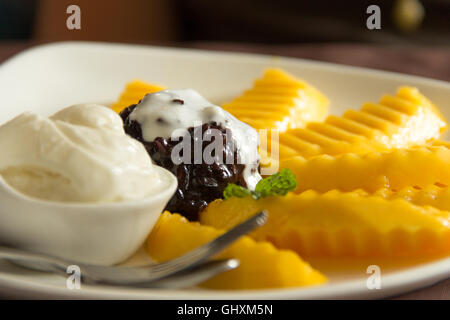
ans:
(186, 270)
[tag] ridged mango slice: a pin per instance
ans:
(399, 121)
(441, 143)
(434, 195)
(133, 93)
(337, 224)
(279, 101)
(261, 264)
(396, 169)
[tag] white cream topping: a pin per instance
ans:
(80, 154)
(161, 114)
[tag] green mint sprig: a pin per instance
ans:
(278, 184)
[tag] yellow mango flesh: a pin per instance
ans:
(133, 93)
(432, 195)
(399, 121)
(337, 224)
(279, 101)
(261, 264)
(396, 169)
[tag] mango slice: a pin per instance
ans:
(133, 93)
(261, 264)
(396, 169)
(279, 101)
(337, 224)
(399, 121)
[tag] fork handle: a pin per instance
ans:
(192, 277)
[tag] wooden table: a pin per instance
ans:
(428, 62)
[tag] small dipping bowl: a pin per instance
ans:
(92, 233)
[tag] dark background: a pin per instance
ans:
(255, 21)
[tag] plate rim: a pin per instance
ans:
(396, 282)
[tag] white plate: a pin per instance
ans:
(47, 78)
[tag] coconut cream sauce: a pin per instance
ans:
(163, 113)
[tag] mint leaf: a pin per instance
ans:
(233, 190)
(278, 184)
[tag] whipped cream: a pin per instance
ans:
(164, 113)
(80, 154)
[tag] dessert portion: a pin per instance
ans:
(279, 101)
(261, 264)
(80, 154)
(399, 121)
(396, 169)
(337, 224)
(372, 183)
(203, 145)
(133, 93)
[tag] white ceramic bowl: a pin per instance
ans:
(103, 234)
